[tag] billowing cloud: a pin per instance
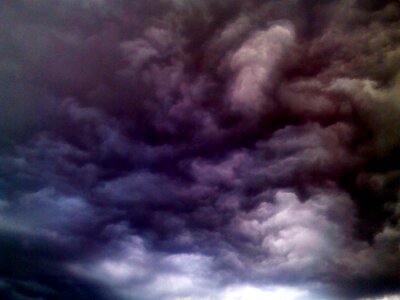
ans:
(255, 64)
(217, 150)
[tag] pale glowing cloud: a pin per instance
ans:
(255, 63)
(274, 293)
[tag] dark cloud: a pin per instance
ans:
(178, 149)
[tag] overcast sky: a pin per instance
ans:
(199, 149)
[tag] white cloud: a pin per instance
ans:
(255, 63)
(274, 293)
(131, 270)
(393, 297)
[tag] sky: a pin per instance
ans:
(199, 149)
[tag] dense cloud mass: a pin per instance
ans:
(187, 149)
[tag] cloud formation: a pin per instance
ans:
(214, 150)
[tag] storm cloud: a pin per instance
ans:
(185, 149)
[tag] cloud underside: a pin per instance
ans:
(191, 149)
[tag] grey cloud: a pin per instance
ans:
(199, 150)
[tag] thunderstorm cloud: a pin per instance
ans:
(199, 149)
